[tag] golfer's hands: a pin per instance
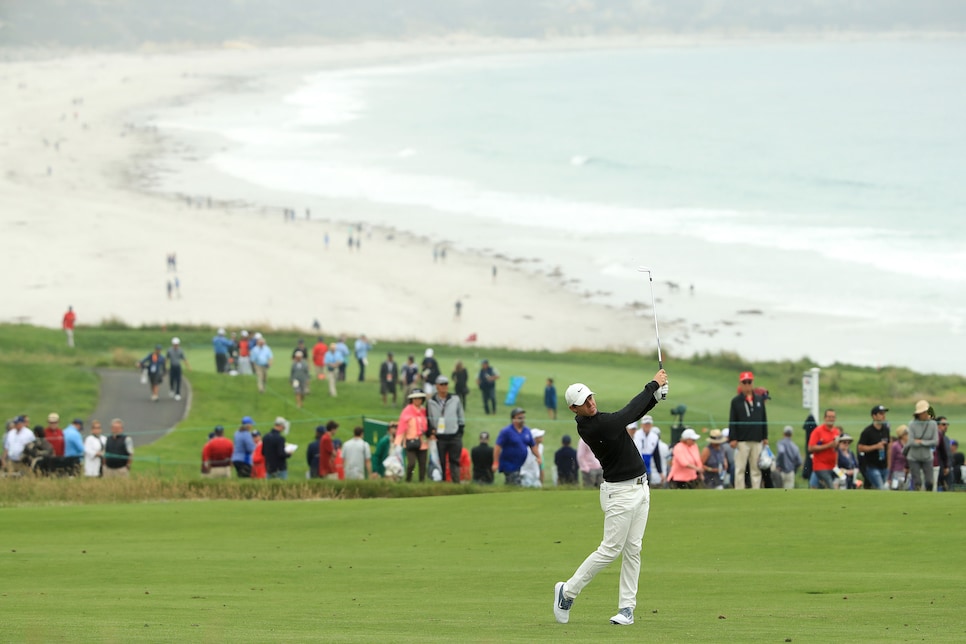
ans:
(661, 378)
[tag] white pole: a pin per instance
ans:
(815, 406)
(810, 391)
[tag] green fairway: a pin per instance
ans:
(758, 566)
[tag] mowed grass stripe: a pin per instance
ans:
(753, 566)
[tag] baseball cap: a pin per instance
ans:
(77, 421)
(484, 436)
(746, 375)
(845, 438)
(878, 409)
(20, 419)
(516, 412)
(690, 434)
(247, 420)
(221, 332)
(647, 418)
(789, 430)
(632, 425)
(219, 429)
(565, 439)
(53, 417)
(537, 433)
(577, 393)
(280, 421)
(175, 340)
(442, 380)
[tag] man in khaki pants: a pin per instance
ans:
(748, 430)
(118, 452)
(216, 455)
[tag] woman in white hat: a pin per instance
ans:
(412, 434)
(923, 437)
(686, 465)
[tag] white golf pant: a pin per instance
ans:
(748, 453)
(625, 507)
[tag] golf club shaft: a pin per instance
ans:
(657, 333)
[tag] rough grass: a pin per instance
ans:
(15, 492)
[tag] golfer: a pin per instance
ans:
(624, 495)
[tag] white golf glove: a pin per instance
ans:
(661, 394)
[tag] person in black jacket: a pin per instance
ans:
(748, 430)
(313, 451)
(482, 457)
(273, 449)
(624, 495)
(566, 461)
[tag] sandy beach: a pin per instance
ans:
(77, 160)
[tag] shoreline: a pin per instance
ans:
(244, 266)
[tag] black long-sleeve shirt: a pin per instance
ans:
(606, 435)
(273, 449)
(748, 421)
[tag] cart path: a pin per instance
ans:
(123, 396)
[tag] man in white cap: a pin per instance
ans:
(273, 449)
(175, 357)
(647, 440)
(429, 368)
(624, 495)
(222, 345)
(262, 357)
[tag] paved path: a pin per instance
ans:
(123, 396)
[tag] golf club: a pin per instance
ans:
(657, 333)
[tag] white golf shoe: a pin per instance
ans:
(561, 605)
(624, 617)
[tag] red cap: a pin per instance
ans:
(746, 375)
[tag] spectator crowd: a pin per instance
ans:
(426, 441)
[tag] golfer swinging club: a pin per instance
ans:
(624, 495)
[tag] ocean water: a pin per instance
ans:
(817, 177)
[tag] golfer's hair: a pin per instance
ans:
(117, 420)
